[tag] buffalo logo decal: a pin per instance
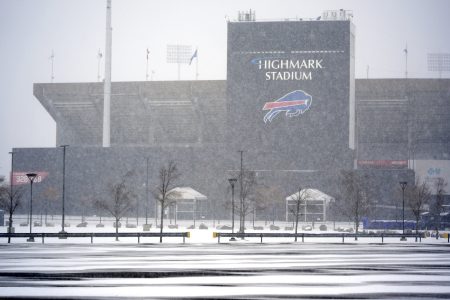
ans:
(294, 104)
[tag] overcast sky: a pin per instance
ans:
(75, 29)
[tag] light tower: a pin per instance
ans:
(107, 84)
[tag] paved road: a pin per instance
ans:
(319, 271)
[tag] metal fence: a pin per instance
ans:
(138, 235)
(343, 236)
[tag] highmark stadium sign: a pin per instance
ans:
(288, 69)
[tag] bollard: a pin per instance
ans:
(218, 237)
(261, 237)
(303, 237)
(43, 237)
(139, 238)
(382, 238)
(184, 239)
(343, 238)
(92, 237)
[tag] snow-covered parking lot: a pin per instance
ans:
(241, 269)
(278, 268)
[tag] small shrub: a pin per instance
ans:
(274, 227)
(307, 228)
(223, 227)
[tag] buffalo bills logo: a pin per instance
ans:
(293, 103)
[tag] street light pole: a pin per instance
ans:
(31, 177)
(146, 193)
(63, 190)
(11, 196)
(297, 211)
(232, 182)
(403, 186)
(241, 215)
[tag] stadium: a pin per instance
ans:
(290, 103)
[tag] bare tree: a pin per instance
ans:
(440, 184)
(269, 199)
(247, 195)
(49, 195)
(84, 203)
(417, 196)
(355, 198)
(168, 174)
(10, 199)
(120, 202)
(298, 198)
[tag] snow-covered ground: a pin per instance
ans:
(278, 268)
(243, 270)
(198, 236)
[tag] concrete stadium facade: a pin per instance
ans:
(387, 125)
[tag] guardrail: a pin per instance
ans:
(43, 235)
(262, 235)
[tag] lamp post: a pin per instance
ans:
(242, 214)
(232, 182)
(63, 191)
(31, 177)
(297, 211)
(146, 192)
(10, 224)
(403, 186)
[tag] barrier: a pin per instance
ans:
(262, 235)
(43, 235)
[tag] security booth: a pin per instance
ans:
(313, 205)
(186, 203)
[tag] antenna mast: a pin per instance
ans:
(146, 70)
(99, 58)
(406, 61)
(52, 57)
